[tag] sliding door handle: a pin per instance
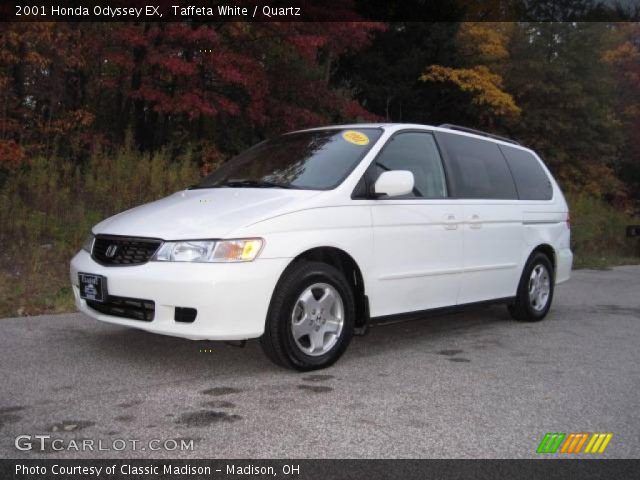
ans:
(450, 222)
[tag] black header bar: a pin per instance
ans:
(317, 10)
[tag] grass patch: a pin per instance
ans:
(48, 208)
(604, 263)
(598, 234)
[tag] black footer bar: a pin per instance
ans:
(318, 469)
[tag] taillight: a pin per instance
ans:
(568, 220)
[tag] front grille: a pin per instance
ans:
(122, 251)
(133, 308)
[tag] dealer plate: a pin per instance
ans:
(93, 287)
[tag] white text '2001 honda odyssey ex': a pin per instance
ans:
(305, 238)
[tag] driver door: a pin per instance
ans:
(417, 237)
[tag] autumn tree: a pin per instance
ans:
(214, 88)
(385, 76)
(624, 58)
(433, 72)
(228, 83)
(567, 95)
(482, 53)
(44, 80)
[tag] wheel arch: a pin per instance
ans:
(345, 263)
(547, 250)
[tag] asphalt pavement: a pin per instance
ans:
(474, 384)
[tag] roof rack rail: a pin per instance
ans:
(477, 132)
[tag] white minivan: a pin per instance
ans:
(305, 239)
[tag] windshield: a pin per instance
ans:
(314, 160)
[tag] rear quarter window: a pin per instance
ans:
(477, 168)
(532, 182)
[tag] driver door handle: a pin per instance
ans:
(475, 222)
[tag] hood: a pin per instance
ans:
(204, 213)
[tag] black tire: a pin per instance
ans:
(278, 342)
(523, 309)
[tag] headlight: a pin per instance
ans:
(241, 250)
(87, 246)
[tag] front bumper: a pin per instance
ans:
(232, 299)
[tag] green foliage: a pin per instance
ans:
(598, 237)
(48, 208)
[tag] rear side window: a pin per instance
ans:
(478, 169)
(531, 180)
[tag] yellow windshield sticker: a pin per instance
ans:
(357, 138)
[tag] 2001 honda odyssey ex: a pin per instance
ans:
(302, 239)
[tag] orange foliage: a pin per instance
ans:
(11, 154)
(484, 86)
(483, 45)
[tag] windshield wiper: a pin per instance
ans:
(252, 184)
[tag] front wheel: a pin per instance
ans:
(535, 291)
(311, 317)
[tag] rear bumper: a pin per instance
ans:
(564, 263)
(231, 299)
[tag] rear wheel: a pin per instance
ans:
(535, 291)
(311, 317)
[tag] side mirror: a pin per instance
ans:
(394, 183)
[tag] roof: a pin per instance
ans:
(443, 128)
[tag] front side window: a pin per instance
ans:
(416, 152)
(311, 160)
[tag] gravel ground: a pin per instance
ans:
(468, 385)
